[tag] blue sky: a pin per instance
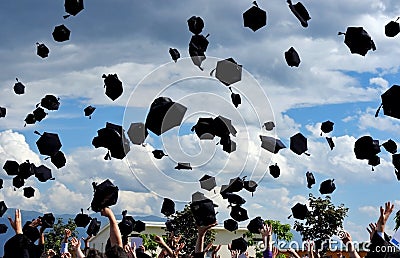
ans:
(132, 38)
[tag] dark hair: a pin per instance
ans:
(93, 253)
(116, 252)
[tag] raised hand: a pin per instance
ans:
(16, 223)
(371, 230)
(75, 243)
(384, 216)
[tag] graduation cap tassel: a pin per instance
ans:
(308, 154)
(289, 216)
(372, 168)
(255, 3)
(66, 16)
(212, 72)
(378, 110)
(341, 33)
(36, 132)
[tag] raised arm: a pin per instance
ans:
(384, 216)
(266, 233)
(294, 253)
(76, 246)
(201, 233)
(164, 245)
(16, 224)
(347, 240)
(115, 234)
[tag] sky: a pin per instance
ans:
(132, 39)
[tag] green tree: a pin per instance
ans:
(186, 226)
(149, 243)
(55, 235)
(323, 220)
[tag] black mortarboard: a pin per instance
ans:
(30, 119)
(1, 183)
(139, 226)
(19, 88)
(254, 18)
(228, 71)
(113, 86)
(89, 111)
(105, 194)
(235, 199)
(3, 228)
(58, 159)
(39, 114)
(18, 182)
(236, 99)
(271, 144)
(126, 224)
(3, 208)
(203, 211)
(197, 46)
(392, 28)
(164, 114)
(366, 148)
(73, 7)
(298, 144)
(229, 146)
(137, 133)
(299, 211)
(275, 171)
(158, 154)
(330, 142)
(358, 40)
(255, 225)
(26, 169)
(310, 179)
(82, 220)
(235, 185)
(238, 213)
(208, 182)
(29, 192)
(3, 112)
(390, 146)
(250, 185)
(175, 55)
(327, 126)
(327, 187)
(42, 50)
(11, 167)
(168, 207)
(50, 102)
(374, 161)
(204, 128)
(390, 102)
(396, 161)
(183, 165)
(300, 12)
(113, 138)
(30, 232)
(48, 143)
(94, 227)
(292, 57)
(231, 225)
(269, 126)
(47, 220)
(223, 127)
(239, 244)
(196, 24)
(61, 33)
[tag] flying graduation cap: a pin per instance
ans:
(236, 99)
(94, 227)
(228, 71)
(183, 165)
(43, 173)
(164, 114)
(228, 145)
(195, 24)
(73, 7)
(299, 211)
(42, 50)
(392, 28)
(11, 167)
(3, 208)
(239, 244)
(3, 112)
(327, 186)
(298, 144)
(255, 225)
(275, 171)
(208, 182)
(203, 210)
(174, 53)
(1, 183)
(112, 137)
(238, 213)
(105, 194)
(137, 133)
(48, 143)
(168, 207)
(89, 111)
(231, 225)
(58, 159)
(366, 148)
(50, 102)
(358, 40)
(292, 57)
(82, 220)
(126, 224)
(269, 126)
(330, 142)
(113, 86)
(18, 181)
(26, 169)
(61, 33)
(3, 228)
(327, 126)
(250, 186)
(47, 220)
(29, 192)
(390, 146)
(300, 12)
(271, 144)
(254, 18)
(390, 103)
(235, 199)
(158, 154)
(310, 179)
(39, 114)
(204, 128)
(19, 88)
(197, 47)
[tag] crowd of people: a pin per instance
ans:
(21, 246)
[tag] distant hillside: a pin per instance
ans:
(29, 215)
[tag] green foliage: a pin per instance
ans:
(280, 231)
(149, 243)
(281, 256)
(186, 226)
(323, 221)
(397, 220)
(55, 235)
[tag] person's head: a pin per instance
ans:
(116, 252)
(93, 253)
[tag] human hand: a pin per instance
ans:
(67, 234)
(86, 241)
(16, 223)
(159, 239)
(35, 223)
(275, 252)
(371, 230)
(266, 231)
(51, 253)
(106, 212)
(234, 253)
(384, 216)
(75, 243)
(202, 230)
(66, 255)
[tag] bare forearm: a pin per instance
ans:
(199, 244)
(115, 234)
